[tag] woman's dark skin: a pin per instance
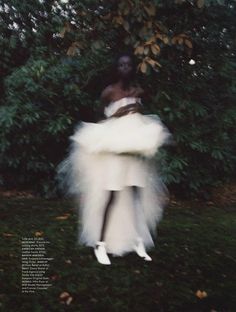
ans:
(123, 87)
(114, 92)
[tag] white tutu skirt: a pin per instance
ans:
(114, 155)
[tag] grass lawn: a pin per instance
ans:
(193, 267)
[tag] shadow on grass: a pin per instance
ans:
(195, 251)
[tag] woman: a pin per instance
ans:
(110, 168)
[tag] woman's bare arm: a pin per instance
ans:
(105, 99)
(106, 95)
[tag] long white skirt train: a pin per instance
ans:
(116, 154)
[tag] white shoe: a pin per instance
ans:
(101, 254)
(140, 250)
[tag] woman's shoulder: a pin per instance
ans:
(112, 92)
(106, 94)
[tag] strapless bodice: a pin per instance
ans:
(115, 105)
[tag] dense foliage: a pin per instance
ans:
(55, 58)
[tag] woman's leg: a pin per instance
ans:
(139, 248)
(136, 192)
(106, 214)
(100, 250)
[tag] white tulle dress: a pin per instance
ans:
(113, 155)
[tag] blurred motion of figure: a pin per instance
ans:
(110, 170)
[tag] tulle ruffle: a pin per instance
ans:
(133, 133)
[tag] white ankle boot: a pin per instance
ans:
(140, 250)
(101, 254)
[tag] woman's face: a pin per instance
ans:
(124, 67)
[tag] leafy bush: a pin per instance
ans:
(53, 75)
